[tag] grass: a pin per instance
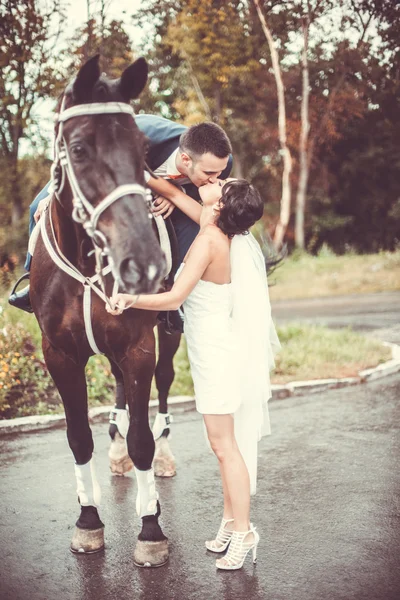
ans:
(316, 352)
(304, 276)
(309, 352)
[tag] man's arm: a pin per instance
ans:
(170, 193)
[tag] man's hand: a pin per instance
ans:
(41, 206)
(162, 206)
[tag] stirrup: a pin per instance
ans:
(238, 550)
(222, 539)
(22, 278)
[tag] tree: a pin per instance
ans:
(287, 157)
(204, 64)
(98, 36)
(27, 35)
(338, 60)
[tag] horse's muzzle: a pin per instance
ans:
(139, 279)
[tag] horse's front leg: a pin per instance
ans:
(168, 344)
(152, 545)
(120, 461)
(69, 377)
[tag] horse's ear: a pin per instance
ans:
(133, 79)
(88, 74)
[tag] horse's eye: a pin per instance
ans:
(78, 151)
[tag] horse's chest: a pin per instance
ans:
(64, 325)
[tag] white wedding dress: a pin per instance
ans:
(231, 342)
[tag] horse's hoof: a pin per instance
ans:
(164, 461)
(151, 554)
(87, 541)
(120, 461)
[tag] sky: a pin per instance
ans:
(121, 9)
(76, 16)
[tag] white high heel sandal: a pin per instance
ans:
(238, 550)
(222, 538)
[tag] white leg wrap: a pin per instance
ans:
(120, 418)
(88, 487)
(161, 422)
(146, 501)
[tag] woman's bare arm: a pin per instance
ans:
(199, 258)
(170, 192)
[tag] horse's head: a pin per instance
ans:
(100, 152)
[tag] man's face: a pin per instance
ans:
(205, 168)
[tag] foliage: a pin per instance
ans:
(25, 384)
(109, 39)
(28, 32)
(210, 60)
(33, 173)
(308, 352)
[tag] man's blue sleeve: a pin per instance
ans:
(158, 129)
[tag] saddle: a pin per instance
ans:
(170, 320)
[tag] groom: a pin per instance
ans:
(190, 157)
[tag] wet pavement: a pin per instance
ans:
(377, 313)
(327, 509)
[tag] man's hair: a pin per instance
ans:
(205, 137)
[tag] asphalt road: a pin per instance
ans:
(377, 313)
(327, 510)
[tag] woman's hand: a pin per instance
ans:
(162, 206)
(121, 302)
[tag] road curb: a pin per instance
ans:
(181, 404)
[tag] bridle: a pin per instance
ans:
(84, 212)
(88, 215)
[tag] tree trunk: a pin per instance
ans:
(287, 158)
(217, 104)
(102, 19)
(303, 157)
(237, 167)
(198, 89)
(88, 48)
(15, 200)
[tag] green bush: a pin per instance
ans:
(26, 387)
(308, 352)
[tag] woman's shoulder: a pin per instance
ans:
(212, 241)
(214, 234)
(215, 239)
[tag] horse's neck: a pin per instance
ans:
(72, 240)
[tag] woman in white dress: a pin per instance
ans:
(230, 339)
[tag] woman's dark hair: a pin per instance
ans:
(241, 207)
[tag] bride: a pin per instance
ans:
(231, 341)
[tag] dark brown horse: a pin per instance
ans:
(99, 213)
